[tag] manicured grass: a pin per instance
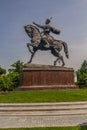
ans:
(44, 96)
(50, 128)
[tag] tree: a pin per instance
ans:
(11, 80)
(14, 73)
(82, 75)
(17, 66)
(2, 71)
(84, 66)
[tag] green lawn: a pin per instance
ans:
(49, 128)
(44, 96)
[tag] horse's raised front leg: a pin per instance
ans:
(32, 55)
(28, 45)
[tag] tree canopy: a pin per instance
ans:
(11, 80)
(82, 75)
(2, 71)
(16, 67)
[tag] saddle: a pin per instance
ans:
(47, 40)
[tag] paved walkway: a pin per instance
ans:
(43, 114)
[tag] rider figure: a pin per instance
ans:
(47, 28)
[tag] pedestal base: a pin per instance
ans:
(48, 87)
(47, 77)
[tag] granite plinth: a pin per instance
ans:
(47, 77)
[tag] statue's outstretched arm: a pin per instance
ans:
(38, 25)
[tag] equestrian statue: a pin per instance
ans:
(44, 41)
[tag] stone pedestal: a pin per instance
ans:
(47, 77)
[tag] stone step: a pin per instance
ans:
(41, 109)
(29, 115)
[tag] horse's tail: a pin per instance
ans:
(65, 48)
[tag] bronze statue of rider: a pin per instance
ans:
(47, 28)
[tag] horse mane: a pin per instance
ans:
(36, 28)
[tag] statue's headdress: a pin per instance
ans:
(48, 20)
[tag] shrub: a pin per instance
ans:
(5, 83)
(9, 82)
(15, 78)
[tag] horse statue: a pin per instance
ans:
(37, 43)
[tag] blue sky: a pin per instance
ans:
(70, 16)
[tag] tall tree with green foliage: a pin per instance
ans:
(11, 80)
(14, 73)
(16, 67)
(2, 71)
(82, 75)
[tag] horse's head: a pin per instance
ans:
(32, 31)
(28, 30)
